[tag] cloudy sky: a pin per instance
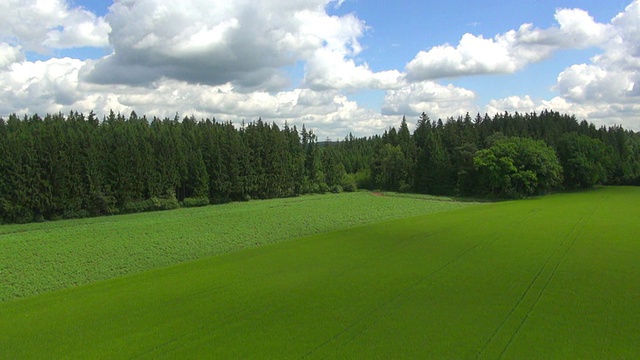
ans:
(338, 66)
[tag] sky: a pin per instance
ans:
(337, 66)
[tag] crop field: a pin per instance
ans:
(56, 255)
(551, 277)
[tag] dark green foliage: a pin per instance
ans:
(195, 201)
(349, 183)
(363, 179)
(63, 166)
(583, 160)
(76, 166)
(389, 169)
(321, 188)
(153, 204)
(517, 167)
(439, 157)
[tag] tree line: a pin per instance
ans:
(69, 166)
(504, 156)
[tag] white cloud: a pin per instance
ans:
(53, 86)
(606, 90)
(511, 104)
(42, 25)
(216, 42)
(601, 114)
(226, 59)
(329, 111)
(508, 52)
(330, 70)
(49, 86)
(594, 84)
(9, 55)
(429, 97)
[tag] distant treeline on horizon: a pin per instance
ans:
(70, 166)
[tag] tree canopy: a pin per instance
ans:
(76, 165)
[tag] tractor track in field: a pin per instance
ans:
(582, 223)
(521, 299)
(405, 292)
(238, 316)
(196, 331)
(189, 335)
(576, 229)
(368, 314)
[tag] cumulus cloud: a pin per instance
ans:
(9, 55)
(243, 42)
(225, 59)
(330, 111)
(55, 86)
(613, 75)
(601, 114)
(508, 52)
(331, 70)
(511, 104)
(40, 26)
(430, 97)
(49, 86)
(592, 83)
(604, 91)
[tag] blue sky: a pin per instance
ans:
(399, 29)
(336, 66)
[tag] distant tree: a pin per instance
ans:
(517, 167)
(583, 160)
(389, 169)
(74, 165)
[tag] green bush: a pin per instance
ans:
(363, 179)
(404, 187)
(153, 204)
(165, 204)
(138, 206)
(349, 183)
(195, 202)
(76, 214)
(321, 188)
(18, 214)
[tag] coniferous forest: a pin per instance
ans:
(76, 165)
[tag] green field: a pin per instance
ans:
(56, 255)
(552, 277)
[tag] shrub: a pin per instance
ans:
(404, 187)
(138, 206)
(321, 188)
(349, 183)
(101, 204)
(336, 189)
(363, 179)
(165, 204)
(153, 204)
(76, 214)
(194, 202)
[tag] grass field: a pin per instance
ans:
(553, 277)
(56, 255)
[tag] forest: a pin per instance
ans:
(75, 165)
